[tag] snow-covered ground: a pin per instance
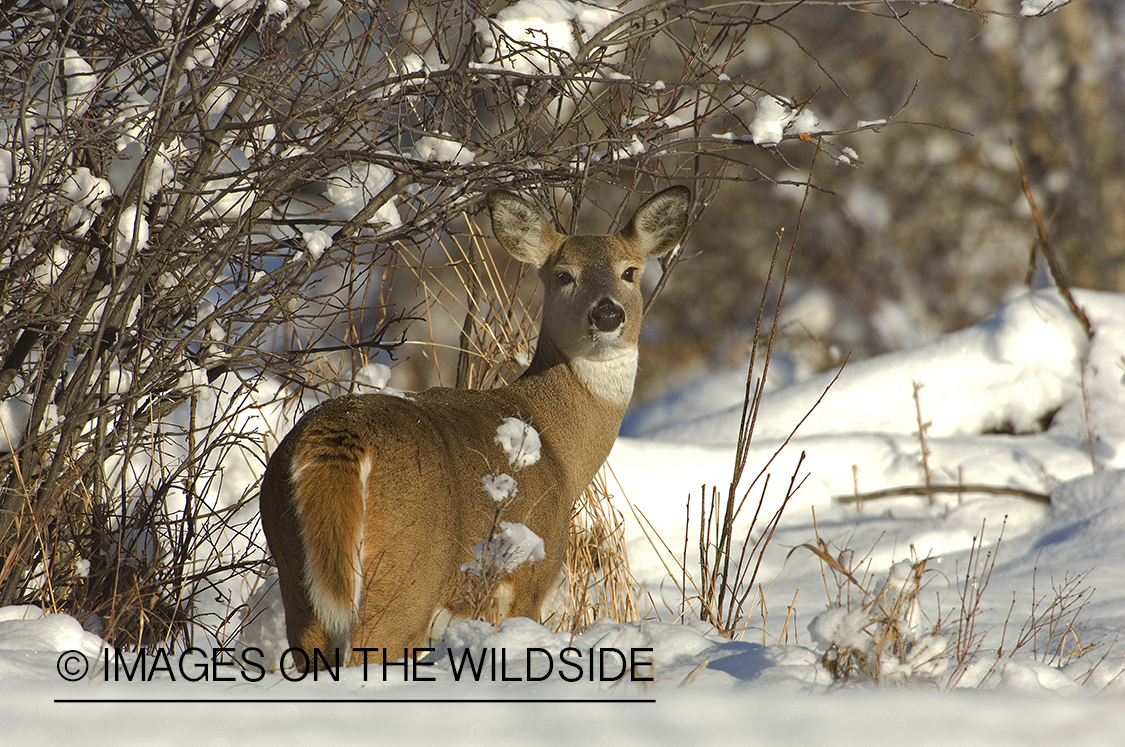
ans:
(1021, 401)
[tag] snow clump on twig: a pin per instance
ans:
(519, 441)
(505, 551)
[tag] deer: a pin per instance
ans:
(371, 503)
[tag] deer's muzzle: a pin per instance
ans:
(607, 315)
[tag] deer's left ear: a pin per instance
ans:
(659, 224)
(521, 228)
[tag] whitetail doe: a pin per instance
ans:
(372, 503)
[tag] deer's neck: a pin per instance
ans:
(608, 378)
(577, 405)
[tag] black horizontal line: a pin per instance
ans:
(188, 701)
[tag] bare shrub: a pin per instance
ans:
(195, 199)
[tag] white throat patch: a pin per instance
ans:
(611, 379)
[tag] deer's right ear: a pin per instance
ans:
(521, 228)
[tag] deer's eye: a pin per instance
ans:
(565, 278)
(627, 276)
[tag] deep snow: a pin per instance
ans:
(1031, 365)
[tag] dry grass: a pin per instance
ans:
(874, 629)
(479, 329)
(599, 582)
(883, 629)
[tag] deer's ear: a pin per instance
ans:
(521, 228)
(659, 224)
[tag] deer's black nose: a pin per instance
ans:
(607, 315)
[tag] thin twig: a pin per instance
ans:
(1053, 263)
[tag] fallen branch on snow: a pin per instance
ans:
(931, 490)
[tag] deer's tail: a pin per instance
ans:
(329, 481)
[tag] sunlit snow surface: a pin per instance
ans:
(1029, 366)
